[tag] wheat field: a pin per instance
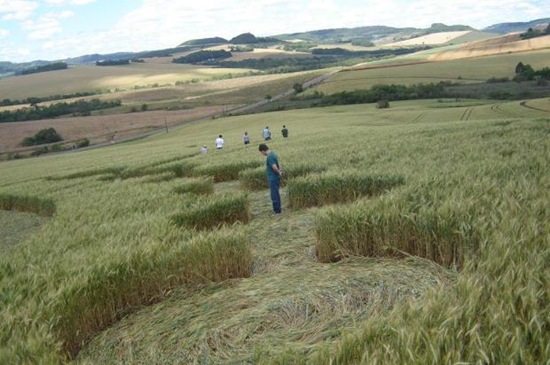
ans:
(433, 246)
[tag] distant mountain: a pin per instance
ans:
(93, 58)
(503, 28)
(205, 42)
(324, 36)
(10, 68)
(338, 35)
(371, 33)
(249, 38)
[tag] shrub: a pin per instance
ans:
(40, 151)
(56, 148)
(382, 104)
(329, 188)
(213, 212)
(83, 143)
(48, 135)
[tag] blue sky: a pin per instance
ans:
(57, 29)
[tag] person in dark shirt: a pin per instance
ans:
(284, 131)
(274, 174)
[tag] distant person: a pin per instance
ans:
(284, 131)
(204, 149)
(219, 142)
(266, 134)
(246, 138)
(274, 174)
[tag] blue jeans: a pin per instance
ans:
(274, 184)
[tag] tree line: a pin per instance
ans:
(45, 68)
(370, 53)
(35, 99)
(524, 72)
(387, 93)
(533, 33)
(203, 56)
(322, 58)
(78, 108)
(112, 62)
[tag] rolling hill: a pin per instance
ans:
(503, 28)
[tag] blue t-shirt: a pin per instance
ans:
(270, 161)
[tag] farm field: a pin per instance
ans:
(401, 227)
(106, 78)
(101, 128)
(468, 70)
(194, 101)
(499, 45)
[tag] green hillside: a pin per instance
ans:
(472, 37)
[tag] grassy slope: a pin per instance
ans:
(198, 100)
(461, 154)
(468, 70)
(106, 78)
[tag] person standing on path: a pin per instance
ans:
(219, 142)
(274, 174)
(284, 131)
(266, 133)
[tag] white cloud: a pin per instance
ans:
(12, 52)
(17, 9)
(4, 33)
(156, 24)
(46, 26)
(69, 2)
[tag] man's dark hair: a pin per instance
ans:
(263, 147)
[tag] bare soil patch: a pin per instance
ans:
(100, 129)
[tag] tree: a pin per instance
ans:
(298, 88)
(44, 136)
(33, 102)
(519, 68)
(524, 72)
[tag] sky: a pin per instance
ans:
(58, 29)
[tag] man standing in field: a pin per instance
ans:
(219, 142)
(284, 131)
(266, 133)
(274, 174)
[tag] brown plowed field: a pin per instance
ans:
(507, 44)
(100, 128)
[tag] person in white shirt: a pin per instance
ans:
(204, 149)
(219, 142)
